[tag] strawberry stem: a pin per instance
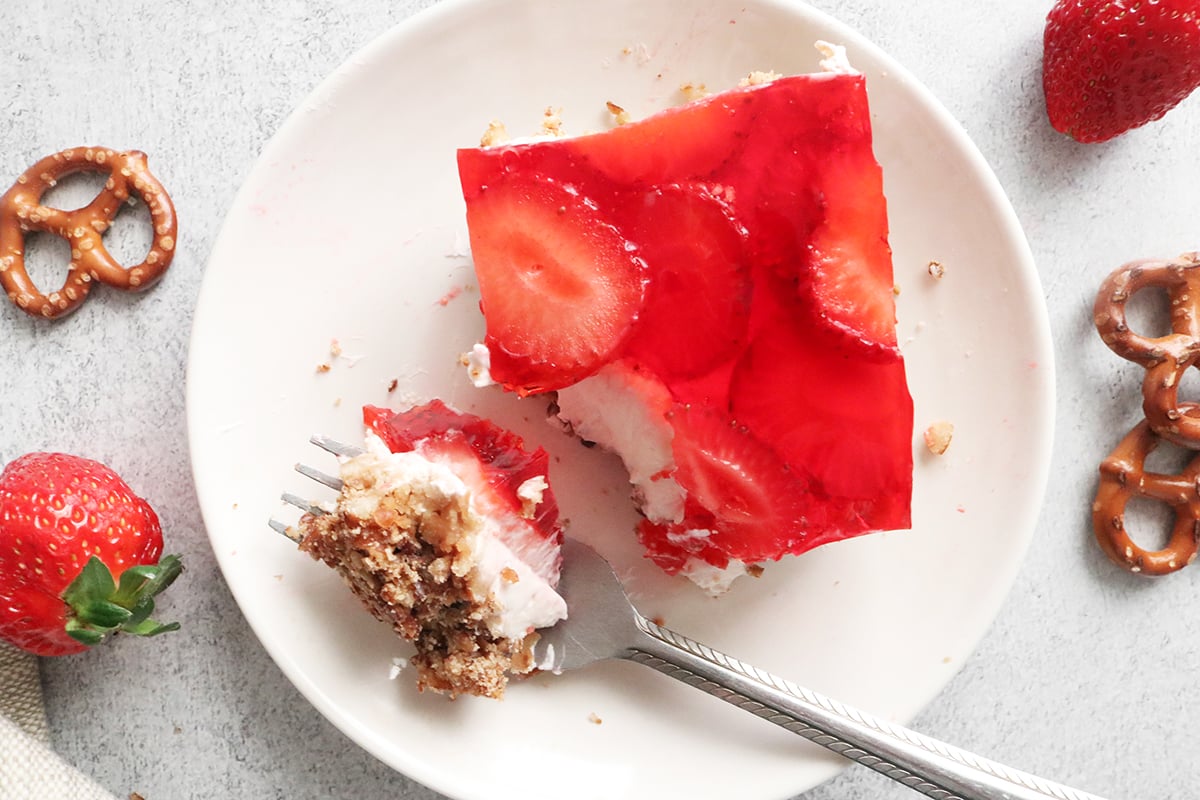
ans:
(100, 605)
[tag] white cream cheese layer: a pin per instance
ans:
(526, 601)
(615, 408)
(479, 366)
(714, 580)
(835, 59)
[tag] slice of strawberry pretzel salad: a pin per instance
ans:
(708, 293)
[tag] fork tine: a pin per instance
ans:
(336, 447)
(302, 504)
(320, 477)
(285, 529)
(331, 446)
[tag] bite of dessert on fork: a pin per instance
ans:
(445, 528)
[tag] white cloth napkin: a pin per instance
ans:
(29, 769)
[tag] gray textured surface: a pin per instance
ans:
(1086, 675)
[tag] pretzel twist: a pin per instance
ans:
(21, 211)
(1123, 476)
(1165, 358)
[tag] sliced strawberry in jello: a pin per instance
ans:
(844, 418)
(810, 192)
(758, 507)
(404, 430)
(492, 461)
(560, 285)
(850, 261)
(698, 296)
(672, 546)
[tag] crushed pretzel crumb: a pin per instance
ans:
(552, 121)
(335, 348)
(509, 575)
(595, 719)
(938, 435)
(323, 368)
(495, 134)
(531, 493)
(693, 91)
(936, 270)
(757, 78)
(896, 289)
(620, 115)
(754, 570)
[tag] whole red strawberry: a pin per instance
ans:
(1112, 66)
(68, 525)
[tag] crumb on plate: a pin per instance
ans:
(495, 134)
(757, 78)
(938, 435)
(552, 121)
(620, 115)
(693, 91)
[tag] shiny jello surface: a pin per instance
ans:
(735, 250)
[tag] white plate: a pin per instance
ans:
(351, 228)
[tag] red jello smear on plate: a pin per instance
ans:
(735, 250)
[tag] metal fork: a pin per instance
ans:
(603, 624)
(330, 446)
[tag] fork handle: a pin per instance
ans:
(933, 768)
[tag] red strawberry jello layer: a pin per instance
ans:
(447, 530)
(709, 293)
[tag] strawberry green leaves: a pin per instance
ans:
(100, 606)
